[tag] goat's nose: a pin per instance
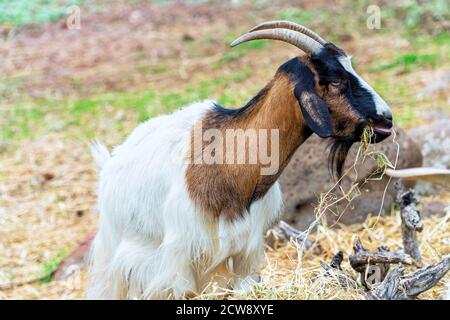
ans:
(384, 119)
(387, 115)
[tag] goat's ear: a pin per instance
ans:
(315, 111)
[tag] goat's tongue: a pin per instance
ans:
(381, 130)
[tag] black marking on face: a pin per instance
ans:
(359, 97)
(330, 70)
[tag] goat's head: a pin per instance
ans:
(335, 101)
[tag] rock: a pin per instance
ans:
(435, 85)
(433, 208)
(434, 141)
(307, 176)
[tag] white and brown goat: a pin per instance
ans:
(169, 227)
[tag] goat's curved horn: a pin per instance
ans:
(299, 40)
(289, 25)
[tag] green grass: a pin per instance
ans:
(408, 61)
(426, 52)
(441, 39)
(409, 17)
(50, 266)
(414, 15)
(302, 16)
(20, 12)
(27, 117)
(238, 52)
(22, 116)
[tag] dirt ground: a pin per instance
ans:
(47, 178)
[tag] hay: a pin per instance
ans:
(279, 281)
(47, 207)
(39, 221)
(278, 276)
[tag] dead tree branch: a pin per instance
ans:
(411, 221)
(388, 289)
(334, 270)
(283, 232)
(335, 263)
(396, 286)
(373, 266)
(425, 278)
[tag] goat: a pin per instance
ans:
(168, 227)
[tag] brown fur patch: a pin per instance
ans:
(227, 190)
(344, 117)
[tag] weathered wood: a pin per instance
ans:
(283, 232)
(425, 278)
(373, 266)
(335, 263)
(411, 221)
(334, 269)
(337, 260)
(397, 286)
(362, 256)
(389, 287)
(361, 259)
(76, 260)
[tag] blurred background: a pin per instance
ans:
(71, 71)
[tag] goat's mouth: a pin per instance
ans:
(381, 132)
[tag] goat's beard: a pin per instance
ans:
(339, 148)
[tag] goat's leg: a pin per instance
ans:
(217, 280)
(173, 277)
(104, 282)
(246, 269)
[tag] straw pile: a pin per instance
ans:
(47, 208)
(284, 280)
(281, 279)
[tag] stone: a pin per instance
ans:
(307, 176)
(434, 141)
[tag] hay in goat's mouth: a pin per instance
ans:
(330, 198)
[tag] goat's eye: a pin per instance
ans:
(336, 83)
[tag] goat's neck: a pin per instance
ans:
(228, 190)
(278, 109)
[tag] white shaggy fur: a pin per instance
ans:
(153, 242)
